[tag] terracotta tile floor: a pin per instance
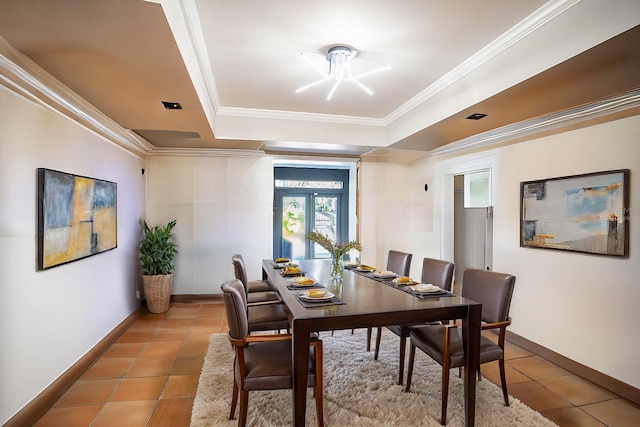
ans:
(150, 375)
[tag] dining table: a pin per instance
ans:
(361, 301)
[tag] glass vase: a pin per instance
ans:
(337, 266)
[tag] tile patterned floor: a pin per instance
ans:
(148, 378)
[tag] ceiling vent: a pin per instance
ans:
(477, 116)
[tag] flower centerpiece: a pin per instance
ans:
(337, 250)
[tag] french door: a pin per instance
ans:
(307, 200)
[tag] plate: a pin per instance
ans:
(411, 282)
(303, 281)
(365, 268)
(383, 274)
(425, 288)
(305, 296)
(289, 273)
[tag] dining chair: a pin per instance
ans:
(257, 291)
(434, 271)
(265, 316)
(444, 343)
(263, 362)
(399, 263)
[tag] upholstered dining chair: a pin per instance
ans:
(263, 362)
(263, 316)
(399, 263)
(435, 271)
(257, 291)
(443, 343)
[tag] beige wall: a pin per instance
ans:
(223, 205)
(49, 319)
(582, 306)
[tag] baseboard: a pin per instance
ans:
(35, 409)
(613, 385)
(195, 297)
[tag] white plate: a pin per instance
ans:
(382, 274)
(425, 288)
(296, 281)
(367, 269)
(305, 296)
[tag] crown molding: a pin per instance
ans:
(528, 128)
(207, 152)
(540, 17)
(25, 77)
(298, 116)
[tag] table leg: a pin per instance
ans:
(300, 355)
(471, 340)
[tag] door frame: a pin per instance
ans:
(312, 174)
(447, 173)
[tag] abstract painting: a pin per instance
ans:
(583, 213)
(76, 217)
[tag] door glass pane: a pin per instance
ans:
(293, 227)
(325, 221)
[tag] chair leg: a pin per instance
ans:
(234, 400)
(403, 351)
(445, 392)
(378, 337)
(412, 356)
(319, 389)
(244, 406)
(503, 380)
(369, 330)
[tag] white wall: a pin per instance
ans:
(223, 205)
(578, 305)
(49, 319)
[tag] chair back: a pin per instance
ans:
(235, 305)
(492, 289)
(399, 262)
(438, 272)
(240, 270)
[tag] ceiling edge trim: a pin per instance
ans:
(207, 152)
(625, 101)
(298, 116)
(19, 72)
(182, 16)
(537, 19)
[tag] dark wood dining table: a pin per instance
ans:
(368, 302)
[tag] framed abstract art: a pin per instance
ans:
(77, 217)
(584, 213)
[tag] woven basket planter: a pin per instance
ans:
(157, 291)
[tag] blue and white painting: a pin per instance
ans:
(585, 213)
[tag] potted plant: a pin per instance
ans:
(157, 254)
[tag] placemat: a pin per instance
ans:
(325, 303)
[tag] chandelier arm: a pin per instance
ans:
(333, 89)
(313, 64)
(363, 87)
(310, 85)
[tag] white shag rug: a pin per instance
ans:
(358, 391)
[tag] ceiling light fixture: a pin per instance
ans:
(340, 58)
